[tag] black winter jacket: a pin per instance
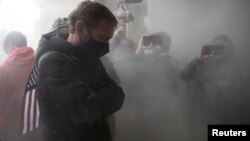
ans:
(75, 93)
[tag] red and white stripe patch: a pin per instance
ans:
(30, 112)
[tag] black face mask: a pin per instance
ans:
(95, 48)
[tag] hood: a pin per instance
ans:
(21, 56)
(50, 42)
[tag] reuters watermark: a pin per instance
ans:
(236, 132)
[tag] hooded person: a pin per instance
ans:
(60, 28)
(14, 73)
(75, 93)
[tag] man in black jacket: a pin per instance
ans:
(75, 92)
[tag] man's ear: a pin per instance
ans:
(81, 29)
(80, 26)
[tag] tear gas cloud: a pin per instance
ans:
(151, 112)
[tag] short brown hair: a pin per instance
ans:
(91, 12)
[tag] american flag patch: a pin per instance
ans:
(30, 109)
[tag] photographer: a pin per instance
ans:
(154, 59)
(209, 75)
(157, 86)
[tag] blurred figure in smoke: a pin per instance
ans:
(153, 95)
(122, 48)
(214, 82)
(14, 73)
(215, 87)
(153, 55)
(122, 51)
(208, 70)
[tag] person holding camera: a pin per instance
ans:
(216, 89)
(157, 85)
(156, 62)
(209, 75)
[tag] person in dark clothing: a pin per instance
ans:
(156, 63)
(215, 87)
(75, 93)
(157, 74)
(213, 83)
(209, 72)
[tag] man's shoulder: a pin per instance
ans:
(55, 57)
(53, 47)
(55, 63)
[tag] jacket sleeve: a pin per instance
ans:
(68, 92)
(111, 93)
(189, 72)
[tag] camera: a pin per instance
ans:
(216, 49)
(122, 9)
(153, 39)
